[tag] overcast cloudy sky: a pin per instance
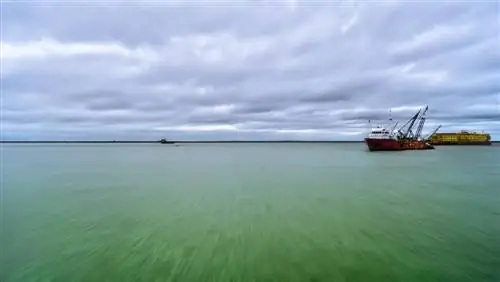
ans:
(245, 69)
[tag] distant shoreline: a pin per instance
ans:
(172, 142)
(158, 142)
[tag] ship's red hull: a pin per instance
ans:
(375, 144)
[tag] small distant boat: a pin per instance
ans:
(165, 141)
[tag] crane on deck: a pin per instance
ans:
(432, 133)
(421, 123)
(405, 134)
(408, 132)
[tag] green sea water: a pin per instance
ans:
(249, 212)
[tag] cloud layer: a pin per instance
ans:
(310, 70)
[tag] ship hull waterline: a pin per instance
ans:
(375, 144)
(480, 143)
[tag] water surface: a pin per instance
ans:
(249, 212)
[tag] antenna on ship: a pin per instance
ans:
(390, 114)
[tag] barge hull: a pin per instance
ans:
(460, 138)
(483, 143)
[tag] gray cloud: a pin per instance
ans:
(246, 69)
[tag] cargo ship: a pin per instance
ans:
(463, 137)
(381, 139)
(406, 137)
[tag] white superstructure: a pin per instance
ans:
(380, 132)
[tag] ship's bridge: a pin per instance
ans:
(380, 132)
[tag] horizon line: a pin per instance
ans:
(177, 141)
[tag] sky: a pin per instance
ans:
(245, 70)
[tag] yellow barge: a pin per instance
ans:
(460, 138)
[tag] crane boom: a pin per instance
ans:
(432, 132)
(394, 127)
(411, 121)
(421, 123)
